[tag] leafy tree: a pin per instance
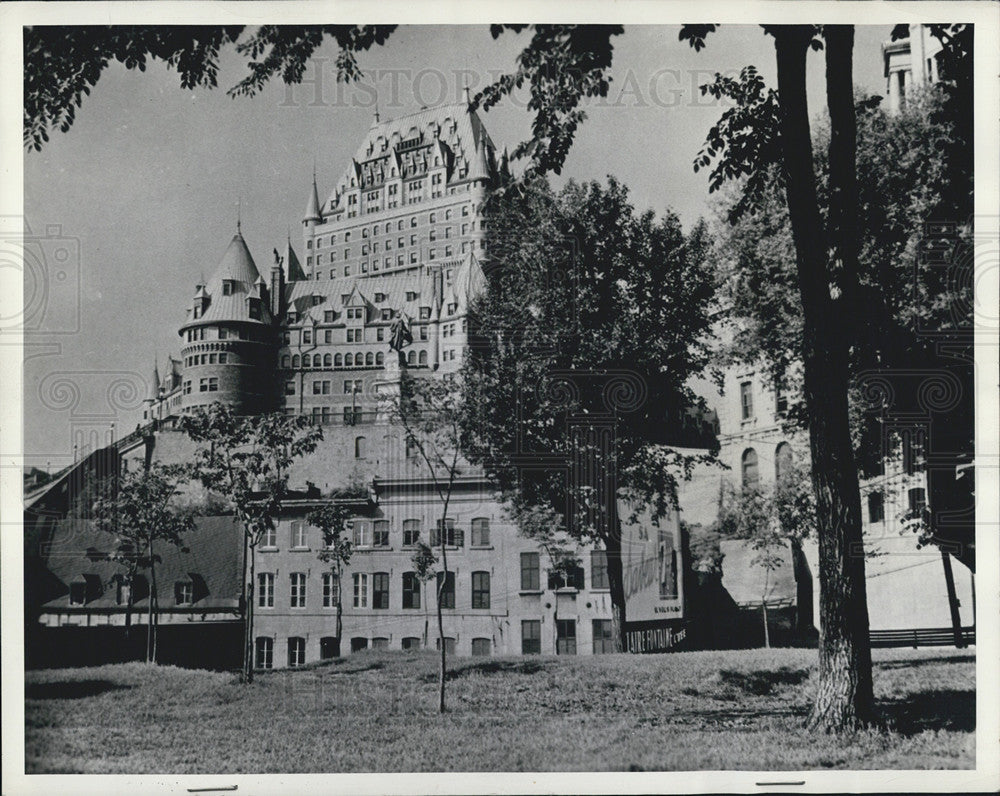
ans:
(138, 510)
(246, 460)
(912, 316)
(430, 411)
(62, 64)
(769, 518)
(331, 519)
(593, 320)
(425, 567)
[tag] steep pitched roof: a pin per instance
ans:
(238, 269)
(78, 551)
(453, 133)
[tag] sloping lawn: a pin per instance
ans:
(375, 711)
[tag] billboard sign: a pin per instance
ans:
(652, 570)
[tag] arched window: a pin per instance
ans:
(359, 359)
(338, 361)
(348, 360)
(380, 359)
(295, 361)
(751, 474)
(411, 357)
(782, 460)
(422, 358)
(286, 361)
(359, 447)
(369, 359)
(327, 361)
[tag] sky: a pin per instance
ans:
(140, 198)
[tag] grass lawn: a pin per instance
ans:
(375, 711)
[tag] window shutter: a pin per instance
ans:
(435, 537)
(459, 537)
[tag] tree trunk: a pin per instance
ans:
(440, 618)
(248, 650)
(949, 582)
(767, 635)
(616, 586)
(340, 610)
(153, 607)
(243, 611)
(844, 699)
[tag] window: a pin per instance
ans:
(751, 475)
(603, 640)
(782, 460)
(265, 652)
(380, 590)
(380, 643)
(780, 401)
(296, 651)
(298, 589)
(359, 447)
(530, 572)
(329, 647)
(480, 589)
(565, 637)
(411, 643)
(746, 400)
(269, 537)
(359, 643)
(299, 534)
(447, 590)
(531, 636)
(411, 590)
(380, 533)
(480, 532)
(876, 508)
(265, 590)
(453, 537)
(289, 388)
(321, 387)
(599, 570)
(330, 588)
(362, 533)
(78, 592)
(570, 578)
(449, 645)
(360, 590)
(422, 358)
(917, 500)
(482, 646)
(184, 592)
(307, 336)
(411, 532)
(425, 313)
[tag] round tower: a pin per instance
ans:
(230, 341)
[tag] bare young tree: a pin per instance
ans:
(246, 459)
(430, 413)
(331, 520)
(137, 510)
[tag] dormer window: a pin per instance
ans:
(452, 308)
(184, 592)
(78, 592)
(227, 287)
(197, 311)
(411, 295)
(317, 300)
(425, 313)
(345, 297)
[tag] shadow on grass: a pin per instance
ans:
(763, 682)
(937, 660)
(944, 709)
(488, 667)
(71, 689)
